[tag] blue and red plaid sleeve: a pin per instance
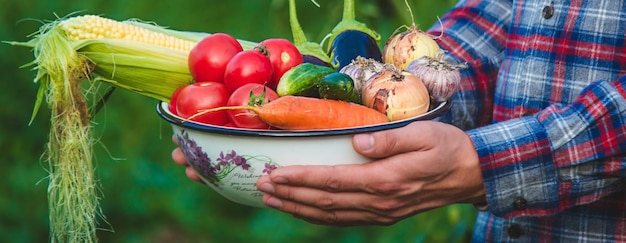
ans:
(563, 156)
(555, 134)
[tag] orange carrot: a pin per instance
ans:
(306, 113)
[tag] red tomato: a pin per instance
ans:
(196, 97)
(207, 60)
(283, 54)
(249, 66)
(173, 98)
(249, 95)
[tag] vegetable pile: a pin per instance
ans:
(400, 80)
(220, 80)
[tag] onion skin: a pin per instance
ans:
(402, 48)
(396, 93)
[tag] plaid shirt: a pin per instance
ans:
(543, 100)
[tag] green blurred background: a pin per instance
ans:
(146, 197)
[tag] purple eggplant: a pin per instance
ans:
(311, 52)
(351, 38)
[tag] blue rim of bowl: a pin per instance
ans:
(163, 111)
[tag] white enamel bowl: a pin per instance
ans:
(230, 160)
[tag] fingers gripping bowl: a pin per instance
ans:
(230, 160)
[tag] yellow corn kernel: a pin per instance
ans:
(87, 27)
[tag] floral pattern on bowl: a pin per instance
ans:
(227, 164)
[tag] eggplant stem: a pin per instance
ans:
(305, 46)
(296, 30)
(349, 22)
(348, 10)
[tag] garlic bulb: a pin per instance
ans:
(396, 93)
(360, 70)
(442, 79)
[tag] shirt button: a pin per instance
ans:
(514, 231)
(547, 12)
(520, 204)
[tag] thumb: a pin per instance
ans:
(393, 141)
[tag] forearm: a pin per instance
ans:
(561, 157)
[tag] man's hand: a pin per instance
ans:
(418, 167)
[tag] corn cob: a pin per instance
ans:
(135, 56)
(143, 58)
(95, 27)
(131, 57)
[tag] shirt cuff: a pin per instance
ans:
(516, 163)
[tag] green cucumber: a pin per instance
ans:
(338, 86)
(302, 80)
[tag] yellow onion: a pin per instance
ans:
(396, 93)
(412, 44)
(441, 78)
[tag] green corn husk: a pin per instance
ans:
(63, 62)
(145, 69)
